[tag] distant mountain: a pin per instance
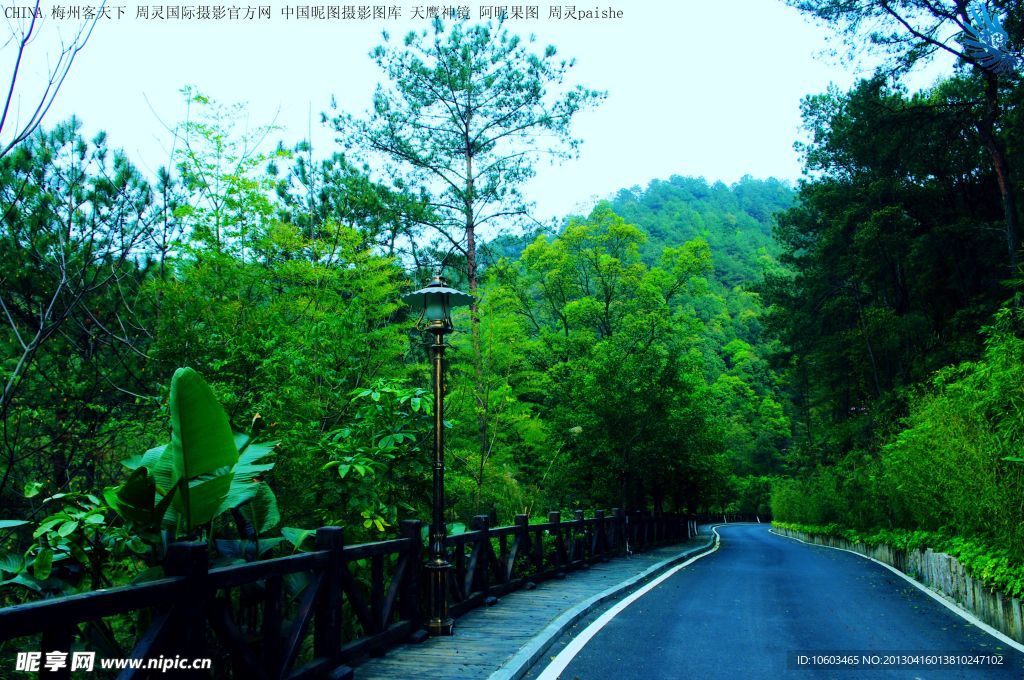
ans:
(736, 221)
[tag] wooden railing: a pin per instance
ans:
(489, 562)
(314, 614)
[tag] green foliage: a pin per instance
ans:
(381, 457)
(611, 339)
(734, 224)
(305, 310)
(895, 256)
(314, 196)
(812, 499)
(991, 565)
(966, 425)
(469, 152)
(220, 169)
(947, 469)
(619, 362)
(464, 114)
(71, 548)
(136, 501)
(735, 221)
(752, 494)
(76, 221)
(893, 259)
(173, 491)
(891, 263)
(201, 454)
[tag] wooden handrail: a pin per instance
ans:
(250, 615)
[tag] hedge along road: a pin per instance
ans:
(760, 602)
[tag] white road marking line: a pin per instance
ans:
(948, 604)
(565, 657)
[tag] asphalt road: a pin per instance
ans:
(751, 608)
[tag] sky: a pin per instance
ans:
(708, 88)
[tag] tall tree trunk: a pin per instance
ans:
(867, 343)
(481, 396)
(997, 150)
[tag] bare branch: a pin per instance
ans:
(58, 72)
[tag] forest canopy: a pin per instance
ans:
(220, 351)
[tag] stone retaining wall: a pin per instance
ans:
(943, 574)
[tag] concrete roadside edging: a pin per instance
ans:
(942, 576)
(520, 663)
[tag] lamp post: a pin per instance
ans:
(435, 303)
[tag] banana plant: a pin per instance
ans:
(205, 470)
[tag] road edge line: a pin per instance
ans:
(949, 604)
(555, 668)
(522, 661)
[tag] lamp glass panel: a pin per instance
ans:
(435, 307)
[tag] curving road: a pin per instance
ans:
(749, 609)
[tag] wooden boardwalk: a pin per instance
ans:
(524, 623)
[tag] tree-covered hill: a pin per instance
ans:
(726, 339)
(735, 221)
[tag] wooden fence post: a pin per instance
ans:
(634, 531)
(409, 601)
(481, 570)
(520, 545)
(537, 550)
(600, 545)
(555, 517)
(57, 640)
(190, 560)
(578, 533)
(619, 530)
(327, 621)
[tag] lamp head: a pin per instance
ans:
(435, 303)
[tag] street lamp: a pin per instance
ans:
(435, 303)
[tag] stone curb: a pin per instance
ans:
(991, 610)
(521, 663)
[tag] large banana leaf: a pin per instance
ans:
(161, 475)
(205, 470)
(261, 511)
(202, 452)
(136, 501)
(253, 461)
